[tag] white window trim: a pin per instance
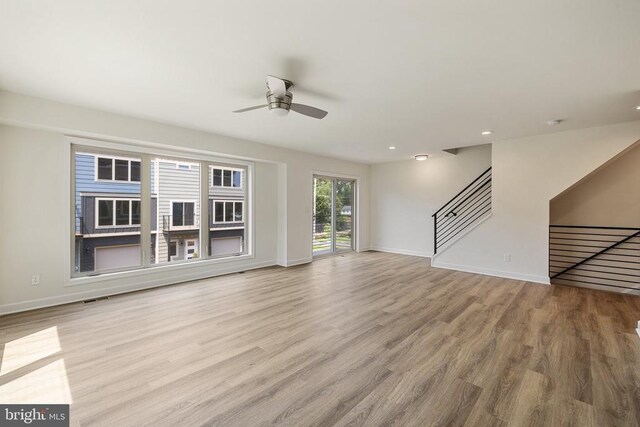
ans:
(76, 145)
(113, 167)
(113, 199)
(224, 168)
(224, 209)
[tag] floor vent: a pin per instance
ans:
(87, 301)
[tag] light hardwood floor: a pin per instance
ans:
(359, 339)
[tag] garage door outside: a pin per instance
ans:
(110, 257)
(226, 246)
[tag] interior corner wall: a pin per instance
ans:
(609, 197)
(527, 174)
(407, 194)
(34, 184)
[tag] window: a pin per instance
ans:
(227, 217)
(183, 214)
(226, 177)
(227, 211)
(109, 215)
(117, 212)
(115, 169)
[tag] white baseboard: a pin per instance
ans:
(299, 261)
(402, 251)
(490, 272)
(145, 284)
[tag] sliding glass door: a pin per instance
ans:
(343, 214)
(333, 215)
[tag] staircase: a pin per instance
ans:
(463, 212)
(593, 256)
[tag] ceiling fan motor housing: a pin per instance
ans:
(280, 105)
(275, 102)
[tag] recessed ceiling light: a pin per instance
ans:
(392, 147)
(554, 122)
(638, 107)
(487, 132)
(421, 157)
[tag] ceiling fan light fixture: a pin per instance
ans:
(421, 157)
(279, 112)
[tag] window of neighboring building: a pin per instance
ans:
(182, 214)
(173, 249)
(226, 177)
(117, 212)
(115, 169)
(227, 211)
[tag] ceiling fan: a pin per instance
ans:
(279, 101)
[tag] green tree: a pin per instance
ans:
(323, 201)
(344, 196)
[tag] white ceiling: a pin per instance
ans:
(422, 75)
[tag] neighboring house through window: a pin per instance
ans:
(227, 211)
(117, 169)
(183, 214)
(117, 212)
(109, 216)
(226, 177)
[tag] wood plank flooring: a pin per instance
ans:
(359, 339)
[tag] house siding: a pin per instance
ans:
(176, 184)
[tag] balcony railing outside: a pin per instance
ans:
(188, 222)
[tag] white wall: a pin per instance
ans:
(527, 174)
(34, 180)
(406, 194)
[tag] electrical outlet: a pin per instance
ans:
(35, 279)
(507, 257)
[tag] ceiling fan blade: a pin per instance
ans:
(277, 86)
(255, 107)
(309, 111)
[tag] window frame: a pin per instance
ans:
(225, 168)
(145, 152)
(96, 215)
(113, 159)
